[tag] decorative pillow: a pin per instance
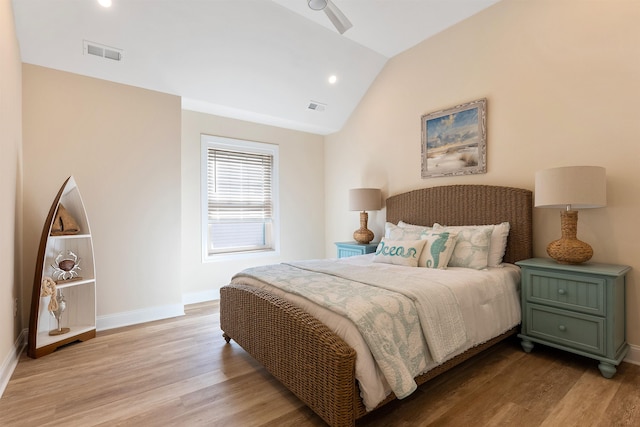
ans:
(406, 225)
(394, 232)
(497, 245)
(472, 246)
(399, 252)
(438, 249)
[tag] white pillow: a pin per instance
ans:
(497, 245)
(438, 250)
(472, 246)
(403, 224)
(399, 252)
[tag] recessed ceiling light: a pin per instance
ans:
(333, 79)
(104, 3)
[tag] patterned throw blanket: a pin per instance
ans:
(397, 315)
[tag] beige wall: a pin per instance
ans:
(301, 199)
(562, 80)
(10, 190)
(122, 145)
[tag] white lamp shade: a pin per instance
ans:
(579, 187)
(365, 199)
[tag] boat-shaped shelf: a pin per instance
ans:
(65, 257)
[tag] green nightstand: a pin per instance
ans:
(577, 308)
(347, 249)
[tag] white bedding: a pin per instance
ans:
(488, 300)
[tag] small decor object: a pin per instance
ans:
(569, 188)
(64, 223)
(454, 141)
(67, 265)
(364, 199)
(57, 303)
(57, 314)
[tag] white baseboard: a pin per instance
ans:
(633, 355)
(134, 317)
(196, 297)
(128, 318)
(11, 361)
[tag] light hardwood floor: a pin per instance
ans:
(180, 372)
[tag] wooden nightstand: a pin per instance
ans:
(577, 308)
(347, 249)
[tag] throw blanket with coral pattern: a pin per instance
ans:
(396, 314)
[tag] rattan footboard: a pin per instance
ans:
(296, 348)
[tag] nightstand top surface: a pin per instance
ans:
(357, 244)
(588, 267)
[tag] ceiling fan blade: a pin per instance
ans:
(336, 16)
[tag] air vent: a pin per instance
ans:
(317, 106)
(95, 49)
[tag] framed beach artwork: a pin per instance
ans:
(454, 141)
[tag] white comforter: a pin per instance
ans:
(488, 302)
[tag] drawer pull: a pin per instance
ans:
(562, 291)
(562, 328)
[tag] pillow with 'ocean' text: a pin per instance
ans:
(399, 252)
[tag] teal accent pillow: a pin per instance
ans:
(399, 252)
(472, 248)
(438, 249)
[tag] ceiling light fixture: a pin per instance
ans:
(317, 4)
(335, 15)
(333, 79)
(104, 3)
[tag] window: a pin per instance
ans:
(239, 191)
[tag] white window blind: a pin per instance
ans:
(239, 199)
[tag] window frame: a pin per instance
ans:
(238, 145)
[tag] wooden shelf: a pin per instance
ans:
(44, 339)
(79, 292)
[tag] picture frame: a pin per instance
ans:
(454, 140)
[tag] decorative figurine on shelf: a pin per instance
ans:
(64, 223)
(57, 304)
(67, 265)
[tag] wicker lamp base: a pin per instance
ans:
(363, 235)
(568, 249)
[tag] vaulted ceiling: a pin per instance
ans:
(258, 60)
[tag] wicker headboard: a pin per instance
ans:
(470, 205)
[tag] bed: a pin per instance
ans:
(316, 364)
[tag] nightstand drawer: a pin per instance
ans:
(585, 294)
(573, 330)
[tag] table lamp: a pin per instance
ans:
(364, 199)
(570, 188)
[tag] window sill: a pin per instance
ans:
(231, 256)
